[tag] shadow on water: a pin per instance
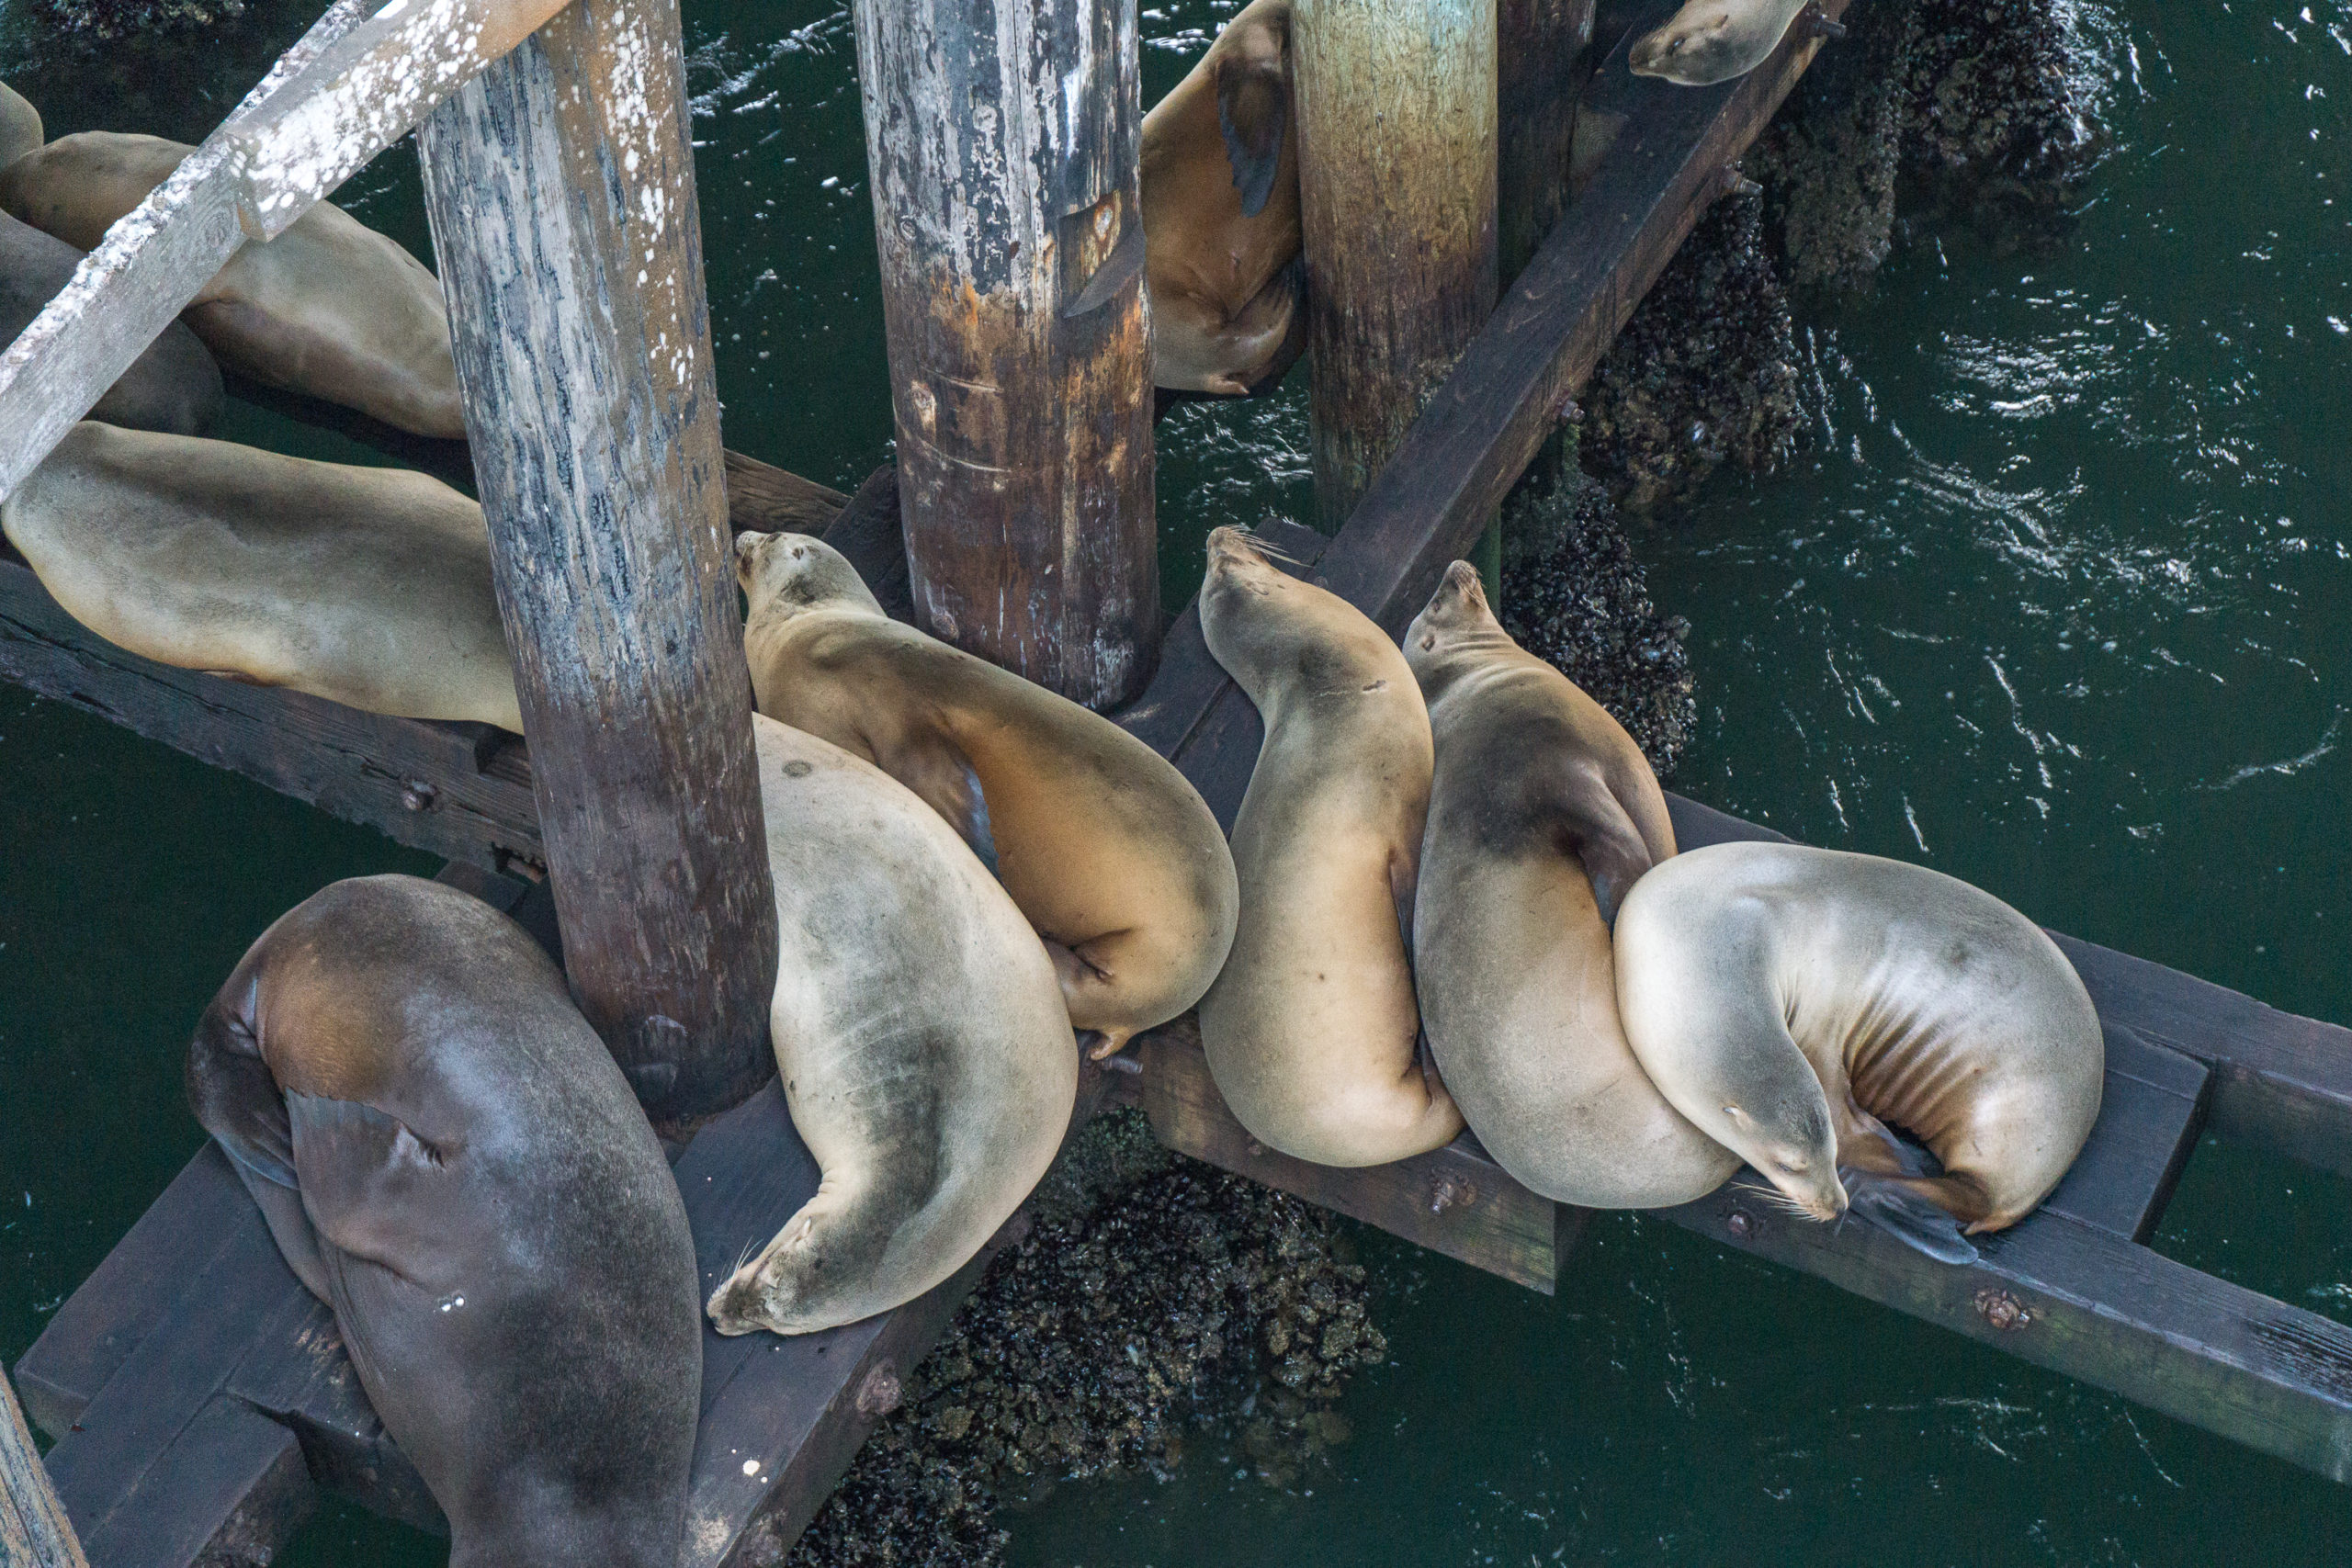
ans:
(2059, 601)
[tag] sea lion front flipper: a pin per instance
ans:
(1890, 1204)
(1600, 833)
(935, 768)
(238, 1102)
(364, 1177)
(1253, 112)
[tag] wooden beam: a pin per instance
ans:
(34, 1530)
(1396, 104)
(561, 187)
(1002, 138)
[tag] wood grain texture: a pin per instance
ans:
(561, 187)
(1002, 136)
(1542, 59)
(1396, 149)
(34, 1529)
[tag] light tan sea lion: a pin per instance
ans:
(368, 586)
(449, 1159)
(1542, 814)
(1311, 1030)
(172, 387)
(20, 129)
(1220, 214)
(918, 1026)
(1795, 1002)
(1709, 41)
(1111, 855)
(330, 308)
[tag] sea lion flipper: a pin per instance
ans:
(936, 769)
(1604, 838)
(360, 1169)
(1254, 113)
(1890, 1204)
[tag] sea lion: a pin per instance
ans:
(173, 386)
(447, 1156)
(368, 586)
(1542, 814)
(20, 127)
(1311, 1030)
(1111, 855)
(918, 1026)
(1794, 1003)
(1709, 41)
(330, 308)
(1220, 214)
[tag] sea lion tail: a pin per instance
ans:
(1907, 1208)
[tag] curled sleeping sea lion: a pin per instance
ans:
(330, 308)
(1220, 214)
(1794, 1003)
(172, 387)
(1111, 855)
(1542, 814)
(20, 127)
(449, 1158)
(368, 586)
(918, 1026)
(1709, 41)
(1311, 1030)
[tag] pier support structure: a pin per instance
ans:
(1002, 138)
(561, 187)
(1397, 175)
(1543, 55)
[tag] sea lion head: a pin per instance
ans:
(1455, 622)
(1766, 1107)
(1246, 599)
(1701, 44)
(785, 574)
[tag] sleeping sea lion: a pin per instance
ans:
(20, 129)
(330, 308)
(1542, 814)
(449, 1159)
(1111, 855)
(1311, 1030)
(1709, 41)
(172, 387)
(1794, 1003)
(368, 586)
(1220, 214)
(919, 1025)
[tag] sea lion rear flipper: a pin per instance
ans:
(1253, 112)
(1891, 1205)
(935, 768)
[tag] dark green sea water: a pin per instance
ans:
(2059, 601)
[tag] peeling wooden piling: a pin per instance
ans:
(560, 186)
(1002, 135)
(1544, 57)
(1396, 104)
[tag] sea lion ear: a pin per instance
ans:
(1907, 1216)
(936, 769)
(1253, 111)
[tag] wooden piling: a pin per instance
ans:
(561, 187)
(1002, 138)
(1542, 59)
(34, 1530)
(1396, 173)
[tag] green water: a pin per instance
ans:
(2060, 601)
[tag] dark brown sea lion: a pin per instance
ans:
(330, 308)
(448, 1157)
(1794, 1003)
(1542, 814)
(173, 386)
(1311, 1030)
(1220, 214)
(1112, 856)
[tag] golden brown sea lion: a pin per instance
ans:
(1542, 814)
(1709, 41)
(1311, 1030)
(173, 386)
(1794, 1003)
(369, 586)
(330, 308)
(449, 1159)
(919, 1025)
(1220, 214)
(20, 129)
(1111, 855)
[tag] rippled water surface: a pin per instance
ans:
(2059, 600)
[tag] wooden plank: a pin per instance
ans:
(34, 1530)
(1456, 1200)
(2151, 1112)
(771, 500)
(560, 186)
(231, 1487)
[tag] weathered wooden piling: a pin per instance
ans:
(561, 187)
(1543, 56)
(1002, 135)
(1397, 172)
(34, 1530)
